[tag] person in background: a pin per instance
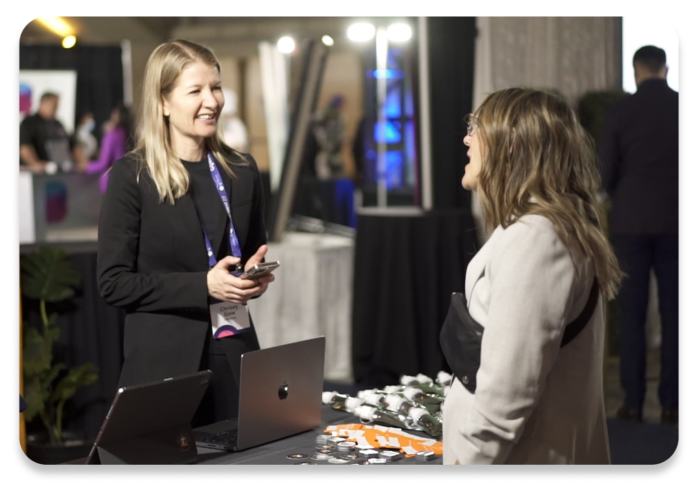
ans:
(329, 131)
(639, 170)
(115, 139)
(235, 131)
(532, 400)
(358, 151)
(182, 214)
(44, 145)
(84, 136)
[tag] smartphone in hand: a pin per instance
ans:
(258, 270)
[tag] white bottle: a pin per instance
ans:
(426, 421)
(417, 395)
(334, 400)
(444, 378)
(341, 401)
(373, 397)
(398, 404)
(376, 415)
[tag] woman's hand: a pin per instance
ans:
(224, 286)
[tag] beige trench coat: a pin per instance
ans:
(534, 403)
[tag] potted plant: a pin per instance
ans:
(49, 277)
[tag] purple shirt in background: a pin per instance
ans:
(113, 149)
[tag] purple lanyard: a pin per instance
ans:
(219, 183)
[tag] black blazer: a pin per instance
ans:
(639, 161)
(152, 261)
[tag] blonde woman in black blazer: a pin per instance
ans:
(152, 255)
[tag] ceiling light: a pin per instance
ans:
(399, 32)
(361, 32)
(57, 25)
(69, 42)
(286, 45)
(327, 40)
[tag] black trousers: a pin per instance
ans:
(638, 254)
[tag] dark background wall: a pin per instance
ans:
(451, 42)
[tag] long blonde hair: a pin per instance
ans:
(153, 147)
(539, 160)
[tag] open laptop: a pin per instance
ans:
(150, 423)
(280, 395)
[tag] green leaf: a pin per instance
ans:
(48, 274)
(48, 377)
(35, 356)
(53, 332)
(76, 377)
(32, 394)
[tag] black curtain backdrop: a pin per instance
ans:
(100, 82)
(451, 72)
(406, 268)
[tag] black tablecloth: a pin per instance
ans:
(406, 268)
(275, 453)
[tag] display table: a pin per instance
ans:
(275, 453)
(310, 297)
(61, 207)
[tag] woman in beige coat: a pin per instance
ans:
(535, 402)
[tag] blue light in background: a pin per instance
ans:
(392, 60)
(385, 74)
(408, 103)
(392, 106)
(391, 133)
(410, 149)
(394, 169)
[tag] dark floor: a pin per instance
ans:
(650, 442)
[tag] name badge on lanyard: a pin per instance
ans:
(227, 319)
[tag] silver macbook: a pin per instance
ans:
(150, 423)
(280, 395)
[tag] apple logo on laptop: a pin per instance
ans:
(283, 391)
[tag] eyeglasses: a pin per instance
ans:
(472, 124)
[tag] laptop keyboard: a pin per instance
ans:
(227, 437)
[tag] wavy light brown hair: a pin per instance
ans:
(539, 160)
(153, 147)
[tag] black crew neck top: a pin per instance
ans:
(210, 209)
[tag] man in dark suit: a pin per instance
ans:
(639, 169)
